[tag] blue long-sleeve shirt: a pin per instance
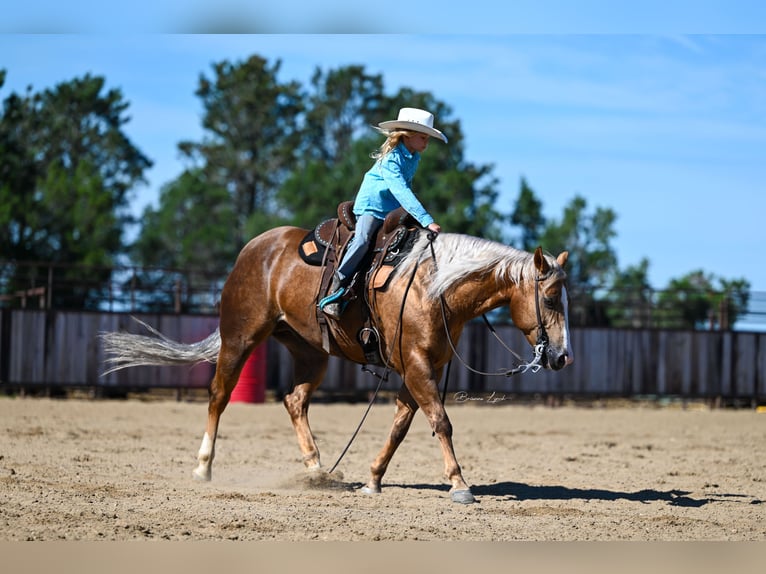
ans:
(388, 185)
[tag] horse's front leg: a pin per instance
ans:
(440, 423)
(426, 392)
(405, 411)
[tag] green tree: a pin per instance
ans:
(18, 179)
(189, 237)
(252, 132)
(341, 106)
(190, 228)
(312, 193)
(337, 140)
(702, 300)
(67, 169)
(630, 299)
(528, 215)
(592, 260)
(732, 300)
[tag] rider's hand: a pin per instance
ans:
(434, 227)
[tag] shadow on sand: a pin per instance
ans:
(520, 491)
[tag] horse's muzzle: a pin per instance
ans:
(555, 360)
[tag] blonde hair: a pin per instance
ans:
(392, 140)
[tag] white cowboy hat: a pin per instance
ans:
(415, 120)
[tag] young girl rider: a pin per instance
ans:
(386, 186)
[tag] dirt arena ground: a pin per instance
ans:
(121, 470)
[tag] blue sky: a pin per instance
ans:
(666, 128)
(392, 16)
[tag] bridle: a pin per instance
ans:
(541, 345)
(540, 348)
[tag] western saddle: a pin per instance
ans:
(327, 242)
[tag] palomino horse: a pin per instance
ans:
(443, 283)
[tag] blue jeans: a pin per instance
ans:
(365, 229)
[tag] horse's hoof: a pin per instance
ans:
(369, 490)
(202, 476)
(462, 497)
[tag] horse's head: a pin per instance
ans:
(542, 312)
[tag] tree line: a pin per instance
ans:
(272, 153)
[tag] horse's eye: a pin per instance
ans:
(549, 302)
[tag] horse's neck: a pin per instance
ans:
(478, 295)
(477, 275)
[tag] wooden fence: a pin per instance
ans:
(59, 348)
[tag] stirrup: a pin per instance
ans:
(332, 298)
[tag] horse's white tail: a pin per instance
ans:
(128, 350)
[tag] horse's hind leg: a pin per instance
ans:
(310, 368)
(406, 407)
(231, 359)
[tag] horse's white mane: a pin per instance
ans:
(458, 256)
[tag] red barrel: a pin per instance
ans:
(251, 387)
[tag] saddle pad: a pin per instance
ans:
(310, 250)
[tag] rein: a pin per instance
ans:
(534, 365)
(384, 377)
(540, 346)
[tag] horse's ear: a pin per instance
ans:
(562, 258)
(541, 264)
